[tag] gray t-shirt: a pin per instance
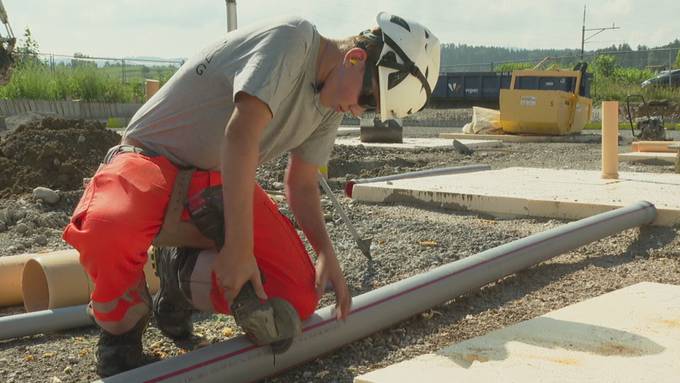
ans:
(275, 62)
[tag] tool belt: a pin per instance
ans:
(124, 148)
(174, 232)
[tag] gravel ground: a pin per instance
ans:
(407, 241)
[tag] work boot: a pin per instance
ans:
(119, 353)
(274, 322)
(171, 306)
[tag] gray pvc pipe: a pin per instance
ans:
(14, 326)
(238, 360)
(417, 174)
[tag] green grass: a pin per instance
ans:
(37, 81)
(115, 123)
(618, 91)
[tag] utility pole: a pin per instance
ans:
(597, 31)
(231, 15)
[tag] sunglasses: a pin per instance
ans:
(367, 99)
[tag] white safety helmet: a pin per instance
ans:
(407, 66)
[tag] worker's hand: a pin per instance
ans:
(328, 270)
(233, 269)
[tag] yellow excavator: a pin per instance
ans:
(7, 43)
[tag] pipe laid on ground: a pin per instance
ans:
(11, 275)
(417, 174)
(10, 278)
(57, 280)
(56, 290)
(237, 360)
(15, 326)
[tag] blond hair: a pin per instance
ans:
(365, 40)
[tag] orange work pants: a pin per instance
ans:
(122, 210)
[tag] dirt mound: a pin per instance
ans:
(52, 152)
(669, 110)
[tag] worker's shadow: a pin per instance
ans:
(650, 238)
(368, 276)
(548, 333)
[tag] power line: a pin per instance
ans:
(597, 31)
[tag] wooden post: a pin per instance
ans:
(150, 88)
(610, 139)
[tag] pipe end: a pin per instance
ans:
(34, 286)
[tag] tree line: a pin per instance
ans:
(643, 57)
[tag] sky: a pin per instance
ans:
(177, 29)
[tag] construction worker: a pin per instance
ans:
(257, 93)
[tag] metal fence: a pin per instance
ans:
(70, 109)
(126, 68)
(652, 59)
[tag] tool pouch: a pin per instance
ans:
(206, 210)
(177, 233)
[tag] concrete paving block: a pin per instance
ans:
(577, 138)
(648, 156)
(630, 335)
(536, 192)
(655, 146)
(419, 143)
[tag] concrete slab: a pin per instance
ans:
(567, 194)
(629, 335)
(655, 146)
(648, 156)
(578, 138)
(419, 143)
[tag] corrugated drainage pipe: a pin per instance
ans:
(237, 360)
(349, 186)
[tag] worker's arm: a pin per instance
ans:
(235, 264)
(302, 193)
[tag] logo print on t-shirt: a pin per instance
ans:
(203, 66)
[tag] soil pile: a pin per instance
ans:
(52, 152)
(670, 111)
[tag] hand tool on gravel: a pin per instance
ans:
(363, 243)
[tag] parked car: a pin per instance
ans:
(662, 79)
